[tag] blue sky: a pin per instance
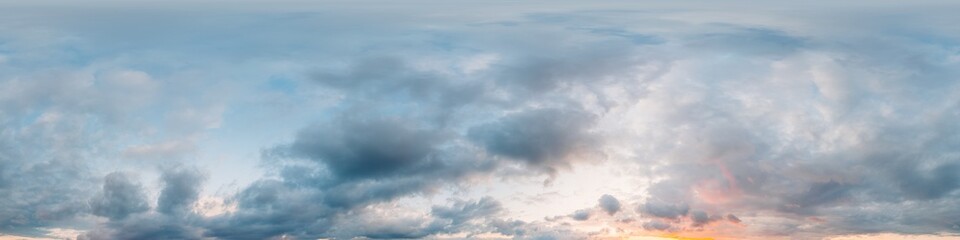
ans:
(526, 120)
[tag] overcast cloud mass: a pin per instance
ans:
(479, 120)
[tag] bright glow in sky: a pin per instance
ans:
(495, 119)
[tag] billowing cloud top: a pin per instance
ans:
(529, 120)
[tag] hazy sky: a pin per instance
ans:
(479, 119)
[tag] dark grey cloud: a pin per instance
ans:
(821, 193)
(657, 225)
(120, 197)
(581, 215)
(359, 148)
(31, 198)
(609, 204)
(266, 214)
(405, 129)
(543, 138)
(664, 210)
(733, 218)
(336, 168)
(701, 218)
(181, 188)
(355, 160)
(173, 218)
(145, 226)
(269, 208)
(333, 171)
(934, 182)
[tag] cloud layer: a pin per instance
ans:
(342, 121)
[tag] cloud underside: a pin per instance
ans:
(738, 130)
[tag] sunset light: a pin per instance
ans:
(494, 119)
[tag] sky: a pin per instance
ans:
(422, 119)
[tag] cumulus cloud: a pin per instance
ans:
(360, 148)
(581, 215)
(664, 210)
(609, 204)
(350, 165)
(701, 218)
(657, 225)
(173, 217)
(120, 198)
(542, 138)
(181, 188)
(269, 208)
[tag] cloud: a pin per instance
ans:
(144, 226)
(701, 218)
(120, 198)
(361, 148)
(382, 77)
(802, 130)
(821, 193)
(664, 210)
(466, 217)
(541, 138)
(534, 230)
(63, 125)
(43, 174)
(181, 188)
(269, 208)
(173, 217)
(733, 218)
(935, 182)
(609, 204)
(742, 145)
(347, 165)
(461, 211)
(657, 225)
(581, 215)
